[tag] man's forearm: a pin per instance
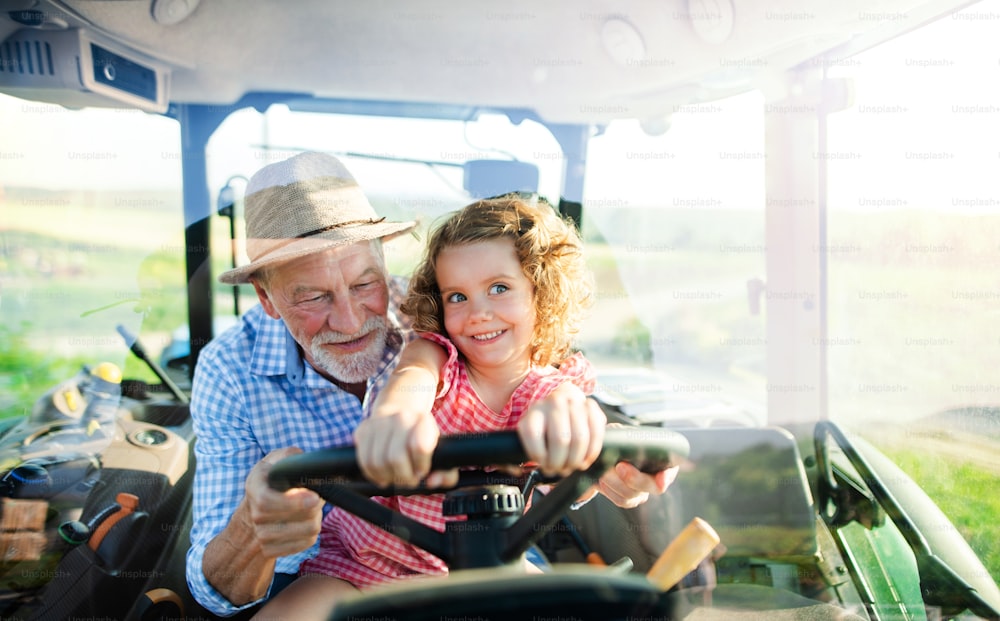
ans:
(234, 564)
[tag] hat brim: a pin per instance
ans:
(298, 248)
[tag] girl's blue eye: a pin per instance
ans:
(455, 297)
(498, 288)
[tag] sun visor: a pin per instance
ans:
(75, 68)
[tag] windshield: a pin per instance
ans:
(677, 230)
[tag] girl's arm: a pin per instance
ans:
(395, 443)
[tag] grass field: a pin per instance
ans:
(965, 491)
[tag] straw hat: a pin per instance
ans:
(305, 204)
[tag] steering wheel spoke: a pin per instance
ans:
(542, 516)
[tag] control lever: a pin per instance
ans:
(140, 352)
(684, 553)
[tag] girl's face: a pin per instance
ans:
(489, 304)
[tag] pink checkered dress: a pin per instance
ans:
(364, 555)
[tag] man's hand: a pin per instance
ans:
(239, 562)
(283, 522)
(628, 487)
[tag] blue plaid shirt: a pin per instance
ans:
(252, 394)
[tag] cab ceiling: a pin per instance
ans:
(570, 61)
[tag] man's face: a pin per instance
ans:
(334, 303)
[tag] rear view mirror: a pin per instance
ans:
(485, 178)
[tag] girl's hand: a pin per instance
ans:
(395, 449)
(563, 432)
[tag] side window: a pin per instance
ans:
(914, 223)
(913, 230)
(92, 238)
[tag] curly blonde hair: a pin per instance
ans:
(551, 254)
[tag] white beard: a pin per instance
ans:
(353, 368)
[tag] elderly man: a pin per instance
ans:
(295, 374)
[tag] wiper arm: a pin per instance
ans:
(940, 585)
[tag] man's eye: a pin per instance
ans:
(498, 288)
(316, 299)
(455, 297)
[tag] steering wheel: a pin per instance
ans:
(501, 535)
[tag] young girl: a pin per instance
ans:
(497, 300)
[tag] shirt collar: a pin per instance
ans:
(295, 363)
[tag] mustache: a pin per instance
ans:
(331, 337)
